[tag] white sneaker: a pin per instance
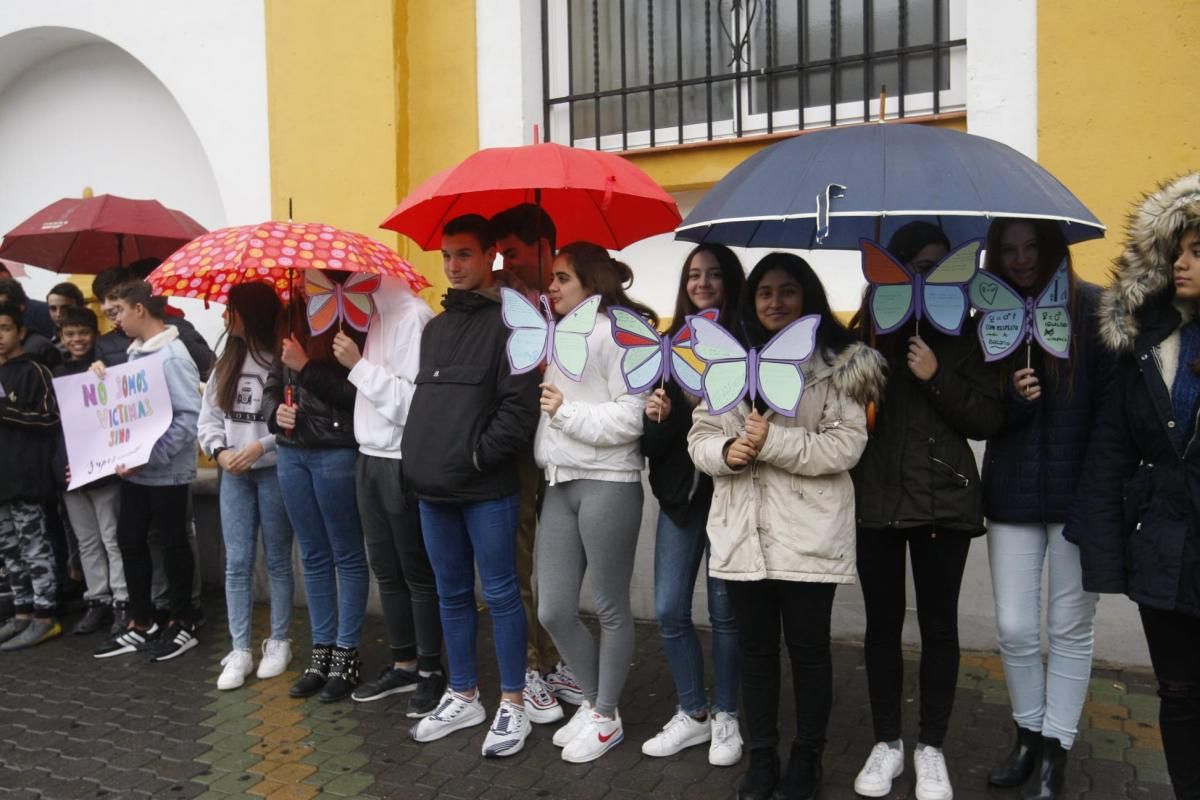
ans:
(540, 705)
(933, 779)
(681, 732)
(510, 728)
(564, 735)
(597, 736)
(238, 664)
(726, 747)
(564, 685)
(276, 655)
(453, 713)
(884, 765)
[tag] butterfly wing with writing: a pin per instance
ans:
(780, 364)
(726, 377)
(528, 342)
(890, 299)
(944, 288)
(1003, 322)
(570, 337)
(642, 362)
(1051, 315)
(686, 366)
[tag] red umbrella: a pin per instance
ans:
(87, 235)
(590, 195)
(209, 265)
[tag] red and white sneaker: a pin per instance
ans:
(595, 738)
(540, 705)
(563, 685)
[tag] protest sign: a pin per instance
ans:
(113, 420)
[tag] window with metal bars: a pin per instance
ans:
(626, 74)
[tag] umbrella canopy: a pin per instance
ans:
(87, 235)
(833, 187)
(208, 266)
(590, 195)
(14, 268)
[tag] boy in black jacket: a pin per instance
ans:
(28, 430)
(470, 417)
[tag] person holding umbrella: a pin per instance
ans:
(1139, 534)
(917, 494)
(1031, 474)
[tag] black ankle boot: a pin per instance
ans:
(1017, 768)
(802, 781)
(344, 668)
(760, 780)
(317, 673)
(1050, 774)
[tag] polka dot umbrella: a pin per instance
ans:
(207, 266)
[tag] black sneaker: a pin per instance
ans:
(178, 639)
(344, 667)
(313, 679)
(392, 680)
(96, 618)
(130, 640)
(427, 695)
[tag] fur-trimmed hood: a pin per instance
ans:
(1145, 267)
(859, 372)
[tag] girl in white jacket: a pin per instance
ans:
(781, 524)
(234, 433)
(588, 443)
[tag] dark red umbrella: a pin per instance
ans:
(86, 235)
(590, 195)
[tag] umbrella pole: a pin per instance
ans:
(120, 249)
(538, 232)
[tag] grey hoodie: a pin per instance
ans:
(173, 459)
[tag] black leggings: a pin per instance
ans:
(164, 507)
(1172, 638)
(803, 610)
(938, 560)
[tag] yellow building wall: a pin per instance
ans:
(1116, 105)
(367, 98)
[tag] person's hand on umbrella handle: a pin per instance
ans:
(285, 416)
(97, 369)
(345, 350)
(1025, 381)
(552, 399)
(921, 361)
(293, 355)
(658, 406)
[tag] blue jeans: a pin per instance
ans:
(1048, 700)
(318, 493)
(248, 501)
(460, 537)
(677, 555)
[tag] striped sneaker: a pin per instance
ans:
(455, 712)
(130, 640)
(175, 642)
(540, 706)
(510, 727)
(563, 684)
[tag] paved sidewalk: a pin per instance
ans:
(75, 727)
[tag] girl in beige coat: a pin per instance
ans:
(781, 527)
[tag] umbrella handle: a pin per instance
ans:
(823, 210)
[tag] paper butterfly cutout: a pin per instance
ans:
(650, 357)
(330, 302)
(1007, 319)
(536, 338)
(773, 373)
(939, 294)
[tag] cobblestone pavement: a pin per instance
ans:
(74, 727)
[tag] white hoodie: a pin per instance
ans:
(386, 376)
(596, 432)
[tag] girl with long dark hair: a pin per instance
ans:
(781, 526)
(711, 278)
(234, 433)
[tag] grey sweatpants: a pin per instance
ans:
(592, 526)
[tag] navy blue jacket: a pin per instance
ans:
(1140, 531)
(1032, 466)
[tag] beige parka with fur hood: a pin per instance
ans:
(789, 515)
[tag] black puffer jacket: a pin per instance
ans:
(324, 400)
(1139, 533)
(918, 468)
(29, 431)
(1032, 466)
(672, 473)
(470, 416)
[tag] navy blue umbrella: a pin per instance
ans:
(829, 188)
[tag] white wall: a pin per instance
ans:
(1001, 104)
(143, 98)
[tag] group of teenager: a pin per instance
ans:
(416, 450)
